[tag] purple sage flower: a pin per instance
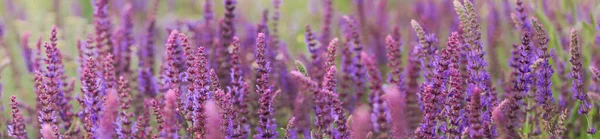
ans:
(380, 116)
(267, 125)
(91, 88)
(102, 25)
(544, 74)
(16, 125)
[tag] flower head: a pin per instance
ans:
(91, 89)
(331, 52)
(123, 121)
(102, 26)
(266, 128)
(576, 74)
(16, 127)
(395, 59)
(475, 129)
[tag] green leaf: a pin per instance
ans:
(300, 67)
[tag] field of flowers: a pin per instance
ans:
(324, 69)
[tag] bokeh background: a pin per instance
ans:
(74, 20)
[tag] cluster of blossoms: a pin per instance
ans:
(215, 81)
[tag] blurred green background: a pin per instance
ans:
(73, 18)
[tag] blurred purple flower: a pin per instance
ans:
(27, 56)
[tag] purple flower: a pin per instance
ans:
(544, 74)
(224, 101)
(428, 123)
(160, 121)
(208, 10)
(576, 74)
(475, 107)
(331, 52)
(395, 60)
(126, 41)
(476, 59)
(52, 82)
(2, 28)
(442, 62)
(324, 100)
(303, 119)
(494, 29)
(38, 55)
(46, 113)
(514, 64)
(27, 52)
(123, 121)
(238, 92)
(214, 86)
(330, 79)
(186, 104)
(108, 69)
(316, 58)
(429, 58)
(80, 55)
(267, 126)
(200, 90)
(340, 119)
(346, 65)
(16, 125)
(359, 73)
(59, 89)
(426, 50)
(521, 14)
(236, 71)
(523, 81)
(102, 26)
(148, 85)
(322, 118)
(591, 131)
(380, 116)
(595, 76)
(91, 88)
(274, 34)
(561, 128)
(327, 19)
(146, 49)
(142, 125)
(228, 31)
(171, 74)
(454, 101)
(413, 103)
